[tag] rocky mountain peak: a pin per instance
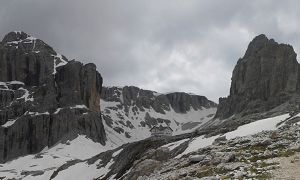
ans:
(262, 43)
(267, 76)
(45, 97)
(16, 36)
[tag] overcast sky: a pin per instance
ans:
(161, 45)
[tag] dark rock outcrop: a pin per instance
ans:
(44, 97)
(267, 76)
(79, 84)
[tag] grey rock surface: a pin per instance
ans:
(44, 97)
(267, 76)
(181, 102)
(130, 112)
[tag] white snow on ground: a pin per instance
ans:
(50, 159)
(9, 123)
(5, 84)
(15, 82)
(117, 152)
(245, 130)
(257, 126)
(174, 145)
(84, 171)
(26, 95)
(57, 110)
(12, 121)
(28, 40)
(36, 113)
(61, 62)
(138, 132)
(79, 107)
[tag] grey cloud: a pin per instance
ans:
(163, 45)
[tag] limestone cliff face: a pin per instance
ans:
(44, 97)
(26, 59)
(79, 84)
(264, 78)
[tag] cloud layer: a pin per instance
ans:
(162, 45)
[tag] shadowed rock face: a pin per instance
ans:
(44, 97)
(267, 76)
(79, 84)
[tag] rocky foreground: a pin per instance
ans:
(258, 156)
(251, 157)
(194, 156)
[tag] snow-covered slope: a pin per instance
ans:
(127, 117)
(245, 130)
(129, 112)
(42, 165)
(104, 165)
(80, 158)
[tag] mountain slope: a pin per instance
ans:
(247, 152)
(50, 110)
(130, 112)
(257, 123)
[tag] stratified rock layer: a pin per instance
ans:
(267, 76)
(44, 97)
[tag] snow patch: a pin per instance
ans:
(26, 95)
(36, 113)
(62, 62)
(15, 82)
(57, 110)
(79, 107)
(9, 123)
(174, 145)
(245, 130)
(52, 158)
(117, 152)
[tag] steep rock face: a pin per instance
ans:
(27, 59)
(183, 102)
(131, 112)
(264, 78)
(78, 84)
(44, 97)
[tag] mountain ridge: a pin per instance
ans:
(114, 142)
(131, 112)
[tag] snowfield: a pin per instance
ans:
(245, 130)
(192, 120)
(41, 166)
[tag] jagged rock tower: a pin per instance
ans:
(267, 76)
(44, 97)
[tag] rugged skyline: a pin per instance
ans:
(159, 45)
